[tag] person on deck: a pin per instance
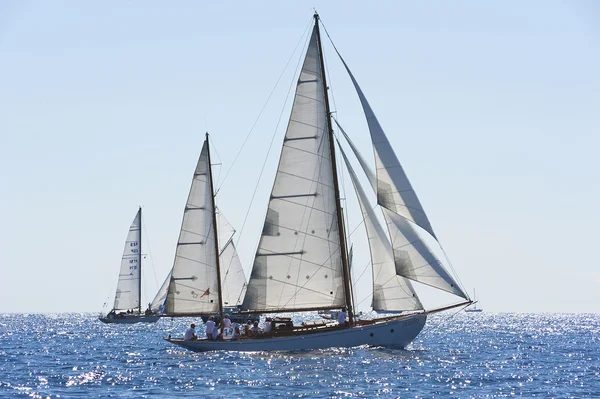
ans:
(226, 322)
(247, 328)
(342, 317)
(190, 333)
(267, 326)
(255, 330)
(210, 325)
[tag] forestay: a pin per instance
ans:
(394, 190)
(391, 292)
(194, 284)
(127, 295)
(298, 262)
(412, 257)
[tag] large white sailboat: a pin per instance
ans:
(127, 307)
(302, 261)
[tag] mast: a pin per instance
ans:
(214, 214)
(140, 266)
(343, 249)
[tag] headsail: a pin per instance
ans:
(158, 303)
(298, 262)
(391, 291)
(233, 279)
(413, 258)
(394, 190)
(127, 295)
(194, 283)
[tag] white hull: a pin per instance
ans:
(129, 319)
(395, 333)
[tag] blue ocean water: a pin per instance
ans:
(457, 356)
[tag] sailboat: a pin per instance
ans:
(302, 261)
(474, 308)
(207, 278)
(127, 306)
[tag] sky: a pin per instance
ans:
(492, 107)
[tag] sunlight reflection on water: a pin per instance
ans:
(467, 355)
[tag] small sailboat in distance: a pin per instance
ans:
(127, 307)
(302, 262)
(474, 309)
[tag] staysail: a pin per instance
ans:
(157, 304)
(298, 264)
(413, 258)
(194, 283)
(233, 279)
(391, 291)
(128, 293)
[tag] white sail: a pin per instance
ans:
(157, 304)
(361, 160)
(127, 295)
(391, 292)
(233, 279)
(413, 258)
(194, 284)
(298, 263)
(394, 190)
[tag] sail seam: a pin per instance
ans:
(305, 151)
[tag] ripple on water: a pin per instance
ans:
(468, 355)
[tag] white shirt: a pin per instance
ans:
(226, 322)
(267, 326)
(189, 334)
(209, 327)
(341, 317)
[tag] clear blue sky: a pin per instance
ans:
(493, 109)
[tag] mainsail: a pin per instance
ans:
(298, 263)
(413, 258)
(391, 292)
(194, 284)
(128, 293)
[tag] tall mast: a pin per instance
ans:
(140, 266)
(343, 249)
(214, 213)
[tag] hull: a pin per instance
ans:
(393, 333)
(129, 319)
(474, 310)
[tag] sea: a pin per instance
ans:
(459, 355)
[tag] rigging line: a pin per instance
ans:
(214, 147)
(263, 109)
(455, 275)
(367, 297)
(363, 272)
(330, 88)
(149, 250)
(270, 146)
(446, 319)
